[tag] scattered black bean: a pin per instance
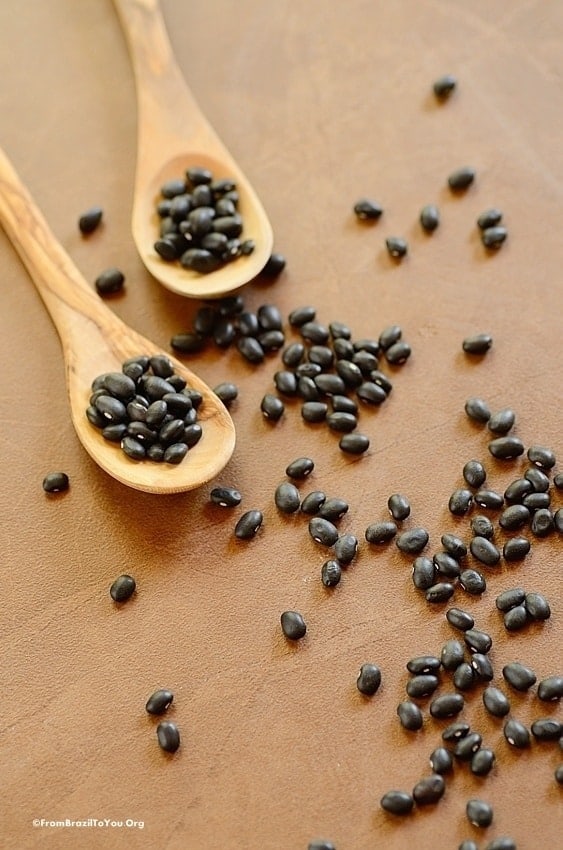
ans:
(488, 499)
(478, 410)
(293, 625)
(423, 664)
(315, 333)
(506, 448)
(510, 598)
(371, 393)
(473, 582)
(301, 315)
(397, 802)
(535, 501)
(452, 654)
(272, 407)
(300, 468)
(485, 551)
(514, 517)
(547, 729)
(412, 541)
(516, 618)
(159, 702)
(446, 565)
(398, 353)
(477, 344)
(558, 480)
(381, 380)
(345, 549)
(538, 479)
(537, 606)
(354, 444)
(55, 482)
(314, 411)
(275, 265)
(380, 532)
(542, 523)
(493, 237)
(89, 220)
(369, 679)
(399, 506)
(461, 179)
(341, 422)
(441, 760)
(323, 356)
(423, 572)
(496, 702)
(464, 677)
(367, 209)
(312, 502)
(187, 343)
(429, 790)
(286, 382)
(250, 349)
(478, 641)
(323, 531)
(331, 573)
(550, 688)
(168, 736)
(467, 747)
(479, 813)
(344, 404)
(287, 497)
(338, 330)
(459, 619)
(440, 592)
(558, 520)
(460, 501)
(474, 473)
(447, 705)
(517, 489)
(329, 384)
(516, 734)
(444, 86)
(225, 497)
(248, 524)
(454, 546)
(410, 715)
(429, 218)
(333, 509)
(422, 685)
(516, 549)
(482, 667)
(482, 761)
(455, 731)
(350, 372)
(397, 247)
(489, 218)
(122, 588)
(541, 456)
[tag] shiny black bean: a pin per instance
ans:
(269, 317)
(514, 517)
(460, 501)
(156, 452)
(477, 344)
(198, 259)
(272, 407)
(380, 532)
(354, 444)
(293, 625)
(535, 501)
(542, 522)
(299, 468)
(250, 349)
(315, 333)
(506, 448)
(171, 431)
(226, 391)
(314, 411)
(397, 247)
(344, 404)
(343, 349)
(423, 573)
(329, 384)
(271, 340)
(119, 386)
(333, 509)
(287, 498)
(349, 372)
(463, 677)
(478, 641)
(538, 479)
(422, 685)
(482, 667)
(510, 598)
(398, 353)
(371, 393)
(346, 548)
(341, 422)
(444, 86)
(109, 281)
(441, 760)
(516, 734)
(168, 736)
(516, 549)
(473, 582)
(381, 380)
(367, 209)
(452, 654)
(454, 546)
(133, 448)
(447, 705)
(429, 790)
(516, 618)
(517, 489)
(496, 702)
(366, 362)
(247, 324)
(489, 218)
(312, 502)
(459, 619)
(139, 430)
(187, 343)
(301, 315)
(338, 330)
(95, 417)
(541, 456)
(399, 506)
(154, 387)
(56, 482)
(484, 551)
(369, 679)
(488, 499)
(550, 688)
(429, 218)
(422, 664)
(111, 409)
(225, 497)
(547, 729)
(446, 565)
(502, 421)
(410, 715)
(248, 524)
(479, 813)
(90, 220)
(478, 410)
(224, 333)
(307, 389)
(397, 802)
(412, 541)
(482, 761)
(175, 453)
(322, 355)
(481, 526)
(293, 355)
(537, 606)
(466, 748)
(331, 573)
(159, 702)
(440, 592)
(323, 531)
(461, 179)
(122, 588)
(192, 434)
(493, 237)
(474, 473)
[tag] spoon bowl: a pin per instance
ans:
(94, 341)
(173, 135)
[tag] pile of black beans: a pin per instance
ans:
(147, 409)
(200, 224)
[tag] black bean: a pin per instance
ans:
(381, 380)
(397, 802)
(514, 517)
(247, 324)
(338, 330)
(537, 606)
(479, 813)
(198, 259)
(286, 382)
(484, 551)
(341, 422)
(516, 618)
(371, 393)
(558, 773)
(389, 336)
(444, 86)
(293, 354)
(122, 588)
(333, 509)
(315, 333)
(421, 664)
(440, 592)
(493, 237)
(346, 548)
(329, 384)
(55, 482)
(301, 315)
(293, 625)
(477, 344)
(441, 760)
(109, 281)
(482, 667)
(271, 340)
(473, 582)
(502, 843)
(350, 372)
(460, 501)
(478, 641)
(399, 506)
(446, 705)
(454, 546)
(547, 729)
(307, 389)
(320, 844)
(192, 434)
(541, 456)
(89, 220)
(155, 387)
(323, 356)
(422, 685)
(538, 479)
(516, 549)
(410, 715)
(187, 343)
(171, 431)
(452, 654)
(369, 679)
(510, 598)
(287, 498)
(489, 218)
(156, 452)
(133, 448)
(488, 499)
(478, 410)
(516, 734)
(517, 489)
(323, 531)
(111, 409)
(199, 176)
(231, 306)
(343, 349)
(175, 453)
(429, 790)
(226, 391)
(300, 468)
(429, 218)
(464, 677)
(542, 523)
(482, 762)
(506, 448)
(423, 573)
(367, 209)
(95, 417)
(331, 573)
(380, 532)
(139, 430)
(550, 688)
(312, 502)
(248, 524)
(558, 520)
(169, 247)
(456, 731)
(168, 736)
(365, 361)
(481, 526)
(272, 407)
(397, 247)
(446, 565)
(269, 317)
(535, 501)
(474, 473)
(466, 748)
(314, 411)
(398, 353)
(120, 386)
(496, 702)
(459, 619)
(354, 444)
(225, 497)
(412, 541)
(461, 179)
(159, 702)
(250, 349)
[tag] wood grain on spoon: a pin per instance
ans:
(94, 340)
(172, 136)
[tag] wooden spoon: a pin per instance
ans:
(172, 136)
(94, 340)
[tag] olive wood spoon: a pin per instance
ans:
(94, 340)
(172, 136)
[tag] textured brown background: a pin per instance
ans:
(321, 103)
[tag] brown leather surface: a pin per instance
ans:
(321, 103)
